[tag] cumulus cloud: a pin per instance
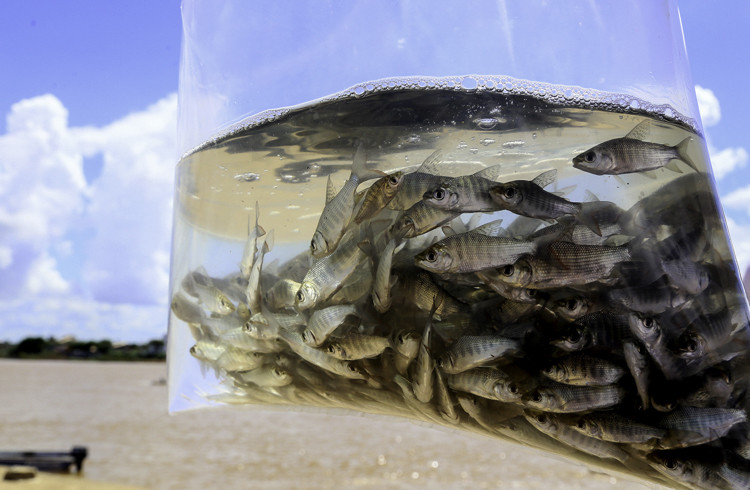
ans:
(727, 160)
(112, 232)
(708, 105)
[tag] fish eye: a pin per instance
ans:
(513, 388)
(572, 304)
(531, 293)
(648, 322)
(541, 418)
(393, 180)
(331, 349)
(431, 256)
(508, 270)
(574, 336)
(536, 397)
(670, 464)
(581, 424)
(300, 296)
(439, 194)
(313, 246)
(590, 156)
(509, 193)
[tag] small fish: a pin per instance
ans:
(239, 339)
(357, 346)
(467, 193)
(570, 306)
(266, 376)
(565, 264)
(631, 154)
(324, 321)
(470, 252)
(237, 361)
(328, 274)
(384, 280)
(528, 198)
(584, 370)
(418, 289)
(415, 184)
(446, 405)
(200, 285)
(253, 292)
(485, 382)
(560, 398)
(636, 358)
(406, 346)
(555, 427)
(339, 207)
(652, 299)
(421, 218)
(184, 309)
(686, 471)
(688, 276)
(424, 365)
(491, 419)
(378, 196)
(281, 295)
(692, 426)
(319, 357)
(601, 329)
(248, 253)
(471, 351)
(609, 426)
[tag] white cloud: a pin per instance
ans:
(726, 160)
(113, 233)
(740, 237)
(708, 105)
(738, 199)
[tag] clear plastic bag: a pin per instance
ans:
(540, 263)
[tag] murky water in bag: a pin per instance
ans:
(538, 264)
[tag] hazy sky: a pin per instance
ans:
(87, 156)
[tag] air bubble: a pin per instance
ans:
(486, 141)
(469, 83)
(359, 90)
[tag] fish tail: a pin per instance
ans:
(682, 152)
(360, 172)
(589, 220)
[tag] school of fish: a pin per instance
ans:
(580, 328)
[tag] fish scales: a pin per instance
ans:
(609, 426)
(584, 370)
(472, 351)
(470, 252)
(560, 398)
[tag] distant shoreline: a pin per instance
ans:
(69, 348)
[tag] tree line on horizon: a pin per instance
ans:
(99, 350)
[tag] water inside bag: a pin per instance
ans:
(545, 265)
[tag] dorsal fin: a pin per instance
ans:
(640, 131)
(429, 166)
(268, 242)
(492, 228)
(490, 173)
(448, 230)
(546, 178)
(330, 190)
(590, 197)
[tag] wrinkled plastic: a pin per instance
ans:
(612, 301)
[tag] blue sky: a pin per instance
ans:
(87, 152)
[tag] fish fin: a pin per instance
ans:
(367, 247)
(399, 247)
(565, 190)
(617, 240)
(650, 174)
(590, 197)
(672, 165)
(473, 221)
(330, 190)
(682, 152)
(490, 173)
(588, 220)
(620, 180)
(640, 131)
(448, 231)
(492, 228)
(268, 242)
(429, 166)
(546, 178)
(360, 172)
(555, 257)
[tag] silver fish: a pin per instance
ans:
(471, 351)
(554, 426)
(200, 285)
(357, 346)
(281, 295)
(631, 154)
(686, 471)
(609, 426)
(485, 382)
(421, 218)
(602, 328)
(266, 376)
(378, 196)
(584, 370)
(415, 184)
(186, 310)
(328, 274)
(248, 253)
(469, 252)
(445, 403)
(467, 193)
(636, 358)
(691, 426)
(528, 198)
(561, 398)
(339, 207)
(324, 321)
(424, 365)
(253, 292)
(406, 347)
(319, 357)
(384, 280)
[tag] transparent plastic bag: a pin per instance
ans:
(545, 264)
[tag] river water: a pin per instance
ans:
(119, 411)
